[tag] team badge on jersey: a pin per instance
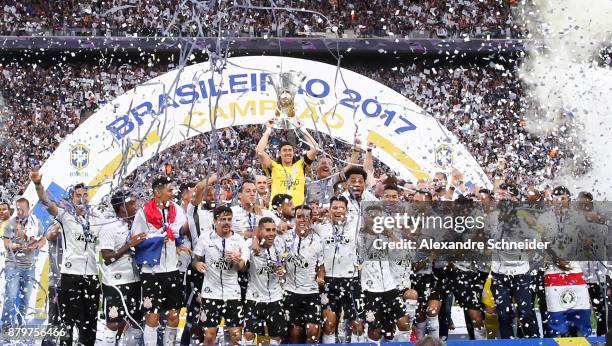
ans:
(147, 302)
(79, 156)
(370, 316)
(113, 312)
(443, 156)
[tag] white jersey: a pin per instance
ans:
(305, 255)
(376, 274)
(339, 247)
(220, 278)
(354, 206)
(401, 269)
(244, 221)
(114, 235)
(79, 238)
(198, 219)
(264, 285)
(168, 261)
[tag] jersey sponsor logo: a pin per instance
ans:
(268, 268)
(298, 261)
(222, 263)
(377, 255)
(339, 239)
(89, 238)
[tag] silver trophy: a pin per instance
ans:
(286, 85)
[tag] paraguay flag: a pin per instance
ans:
(567, 299)
(149, 251)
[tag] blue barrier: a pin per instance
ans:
(504, 342)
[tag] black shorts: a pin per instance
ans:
(114, 305)
(301, 309)
(213, 310)
(161, 291)
(383, 308)
(342, 294)
(425, 285)
(466, 286)
(258, 315)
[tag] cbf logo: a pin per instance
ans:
(443, 156)
(79, 156)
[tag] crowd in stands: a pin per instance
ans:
(254, 18)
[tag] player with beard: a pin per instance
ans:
(356, 192)
(282, 205)
(264, 299)
(120, 280)
(322, 188)
(305, 273)
(79, 297)
(161, 220)
(221, 254)
(342, 288)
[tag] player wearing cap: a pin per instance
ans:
(120, 280)
(341, 291)
(264, 297)
(80, 294)
(161, 221)
(305, 273)
(220, 254)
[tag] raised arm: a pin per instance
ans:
(36, 178)
(262, 155)
(313, 149)
(368, 165)
(354, 159)
(201, 187)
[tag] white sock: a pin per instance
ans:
(132, 336)
(421, 330)
(480, 333)
(410, 307)
(274, 342)
(357, 338)
(377, 342)
(402, 335)
(150, 336)
(109, 337)
(433, 326)
(329, 339)
(170, 336)
(248, 342)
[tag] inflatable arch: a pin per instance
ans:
(181, 104)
